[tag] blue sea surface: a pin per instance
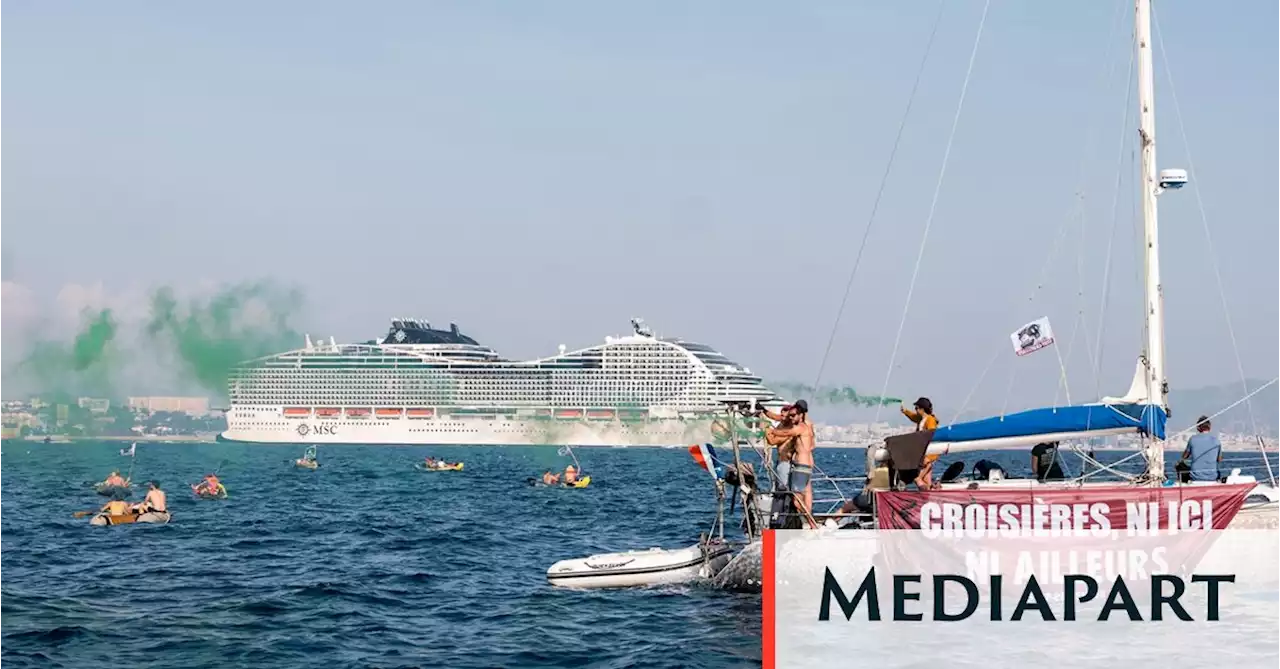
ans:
(366, 562)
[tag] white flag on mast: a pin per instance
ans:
(1032, 337)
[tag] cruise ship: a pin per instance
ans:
(422, 385)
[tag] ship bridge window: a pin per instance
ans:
(696, 348)
(715, 359)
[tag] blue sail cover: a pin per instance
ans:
(1146, 418)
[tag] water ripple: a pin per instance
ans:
(364, 563)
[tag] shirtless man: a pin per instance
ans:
(154, 501)
(570, 475)
(550, 479)
(786, 448)
(115, 480)
(801, 460)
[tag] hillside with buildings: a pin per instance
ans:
(136, 417)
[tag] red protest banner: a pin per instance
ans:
(1063, 510)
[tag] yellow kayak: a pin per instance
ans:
(580, 483)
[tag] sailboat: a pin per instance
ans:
(1143, 410)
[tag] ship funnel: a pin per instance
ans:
(453, 327)
(562, 349)
(333, 342)
(308, 345)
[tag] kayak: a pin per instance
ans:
(110, 490)
(639, 568)
(456, 467)
(153, 517)
(306, 464)
(580, 483)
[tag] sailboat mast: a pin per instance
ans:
(1157, 383)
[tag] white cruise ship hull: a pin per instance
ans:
(421, 385)
(273, 428)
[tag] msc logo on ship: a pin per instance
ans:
(304, 430)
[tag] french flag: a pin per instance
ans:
(705, 456)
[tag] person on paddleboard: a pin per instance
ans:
(570, 475)
(550, 479)
(115, 480)
(153, 502)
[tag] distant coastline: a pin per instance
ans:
(152, 438)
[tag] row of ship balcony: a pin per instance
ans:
(426, 413)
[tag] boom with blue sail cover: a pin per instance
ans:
(1024, 428)
(1140, 418)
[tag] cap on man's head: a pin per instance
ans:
(801, 406)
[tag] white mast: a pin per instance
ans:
(1157, 385)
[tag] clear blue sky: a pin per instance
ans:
(541, 172)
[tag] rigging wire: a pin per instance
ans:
(875, 204)
(933, 206)
(1105, 289)
(1090, 139)
(1204, 221)
(1080, 320)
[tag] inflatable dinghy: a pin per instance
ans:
(154, 517)
(111, 490)
(655, 566)
(456, 467)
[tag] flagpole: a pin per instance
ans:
(133, 458)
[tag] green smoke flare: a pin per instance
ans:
(82, 365)
(213, 335)
(843, 396)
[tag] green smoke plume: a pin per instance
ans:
(82, 365)
(212, 335)
(844, 395)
